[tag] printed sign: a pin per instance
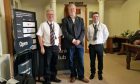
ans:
(28, 24)
(28, 30)
(22, 44)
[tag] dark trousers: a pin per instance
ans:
(50, 61)
(76, 61)
(93, 51)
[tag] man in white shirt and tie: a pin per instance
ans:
(97, 35)
(49, 36)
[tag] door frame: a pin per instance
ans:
(9, 32)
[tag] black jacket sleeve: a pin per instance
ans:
(82, 33)
(65, 30)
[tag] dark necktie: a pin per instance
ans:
(52, 40)
(95, 32)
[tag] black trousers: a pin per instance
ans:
(96, 50)
(50, 61)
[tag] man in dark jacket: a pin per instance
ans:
(73, 31)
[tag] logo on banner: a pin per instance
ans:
(22, 44)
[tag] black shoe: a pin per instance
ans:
(56, 80)
(44, 82)
(91, 76)
(100, 77)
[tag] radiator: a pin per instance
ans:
(5, 66)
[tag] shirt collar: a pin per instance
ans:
(96, 23)
(50, 22)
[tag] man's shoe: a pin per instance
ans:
(85, 80)
(44, 82)
(100, 77)
(72, 79)
(56, 80)
(91, 76)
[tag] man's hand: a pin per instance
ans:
(78, 42)
(59, 48)
(74, 41)
(42, 50)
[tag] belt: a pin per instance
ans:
(96, 44)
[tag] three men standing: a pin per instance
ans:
(49, 34)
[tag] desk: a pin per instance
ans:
(115, 40)
(130, 48)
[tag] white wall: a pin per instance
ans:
(112, 17)
(0, 32)
(91, 7)
(3, 37)
(17, 4)
(0, 37)
(121, 16)
(131, 15)
(40, 13)
(59, 12)
(38, 9)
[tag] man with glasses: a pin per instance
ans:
(49, 36)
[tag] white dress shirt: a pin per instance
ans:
(102, 34)
(44, 32)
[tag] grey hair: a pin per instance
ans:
(49, 10)
(71, 4)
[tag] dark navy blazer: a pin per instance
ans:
(71, 33)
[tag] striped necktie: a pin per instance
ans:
(52, 40)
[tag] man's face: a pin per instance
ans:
(72, 10)
(50, 15)
(95, 18)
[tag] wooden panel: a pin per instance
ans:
(66, 10)
(8, 21)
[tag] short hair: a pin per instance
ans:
(95, 13)
(71, 4)
(49, 10)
